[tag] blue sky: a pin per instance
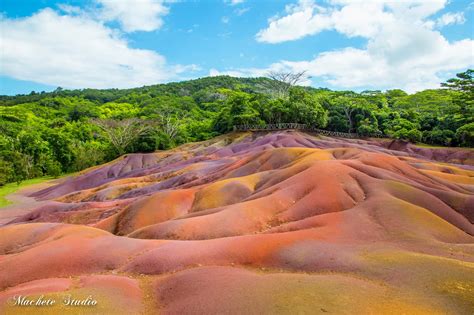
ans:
(341, 44)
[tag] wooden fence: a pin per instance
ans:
(303, 127)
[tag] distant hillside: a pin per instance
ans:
(69, 130)
(183, 88)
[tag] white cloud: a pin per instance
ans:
(300, 21)
(242, 11)
(234, 2)
(402, 50)
(349, 17)
(69, 9)
(76, 51)
(134, 15)
(451, 18)
(355, 68)
(225, 20)
(240, 73)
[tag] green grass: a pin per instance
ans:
(440, 146)
(12, 187)
(433, 146)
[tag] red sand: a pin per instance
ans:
(254, 223)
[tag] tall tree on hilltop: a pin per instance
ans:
(464, 84)
(280, 83)
(122, 133)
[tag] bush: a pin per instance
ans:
(437, 136)
(5, 172)
(412, 135)
(465, 135)
(367, 128)
(16, 166)
(87, 154)
(53, 168)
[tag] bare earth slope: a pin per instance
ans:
(259, 223)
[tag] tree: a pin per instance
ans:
(354, 109)
(170, 123)
(401, 128)
(114, 110)
(275, 111)
(279, 83)
(122, 133)
(438, 136)
(464, 82)
(60, 149)
(242, 109)
(434, 102)
(305, 108)
(367, 127)
(465, 135)
(87, 154)
(393, 95)
(464, 85)
(17, 164)
(6, 170)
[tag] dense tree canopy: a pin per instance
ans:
(69, 130)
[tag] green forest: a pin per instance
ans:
(69, 130)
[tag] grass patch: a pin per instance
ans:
(12, 187)
(433, 146)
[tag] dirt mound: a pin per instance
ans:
(260, 223)
(441, 154)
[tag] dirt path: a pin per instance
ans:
(22, 204)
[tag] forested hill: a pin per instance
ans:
(69, 130)
(183, 88)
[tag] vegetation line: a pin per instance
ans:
(11, 188)
(49, 134)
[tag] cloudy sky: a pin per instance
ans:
(342, 44)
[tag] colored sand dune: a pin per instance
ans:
(260, 223)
